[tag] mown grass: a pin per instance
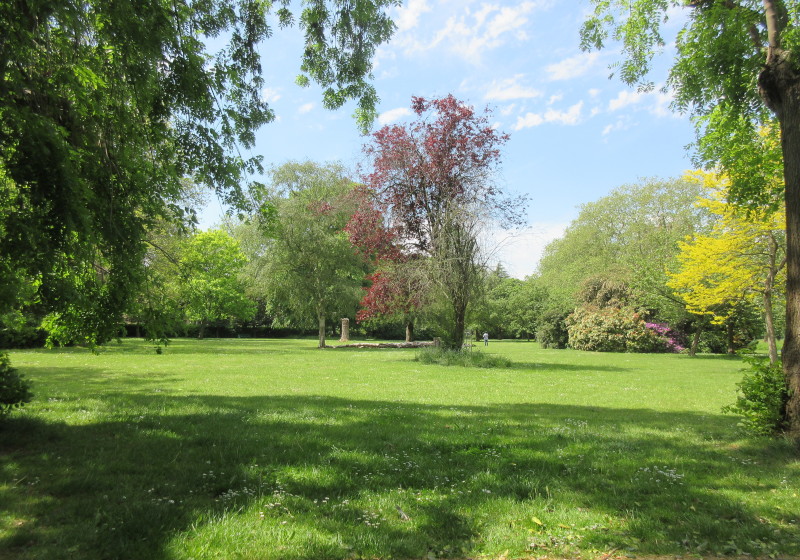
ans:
(465, 358)
(266, 449)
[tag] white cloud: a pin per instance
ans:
(270, 95)
(655, 102)
(472, 33)
(594, 92)
(572, 67)
(529, 120)
(555, 98)
(408, 16)
(621, 124)
(508, 109)
(506, 90)
(571, 116)
(306, 108)
(661, 104)
(393, 115)
(625, 98)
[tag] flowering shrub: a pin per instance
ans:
(613, 329)
(675, 342)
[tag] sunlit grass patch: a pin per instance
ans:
(273, 449)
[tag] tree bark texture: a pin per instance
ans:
(791, 347)
(409, 330)
(779, 85)
(729, 335)
(769, 318)
(321, 318)
(459, 323)
(769, 321)
(696, 340)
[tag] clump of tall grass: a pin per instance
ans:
(463, 358)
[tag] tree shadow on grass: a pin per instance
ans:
(320, 477)
(554, 366)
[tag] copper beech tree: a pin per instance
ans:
(433, 182)
(393, 290)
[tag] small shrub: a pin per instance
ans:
(14, 389)
(763, 397)
(448, 357)
(551, 330)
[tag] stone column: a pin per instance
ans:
(345, 330)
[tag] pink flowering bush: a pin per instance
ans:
(617, 329)
(674, 341)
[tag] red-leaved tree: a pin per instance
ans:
(392, 291)
(433, 183)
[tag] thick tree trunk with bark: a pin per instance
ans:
(791, 345)
(769, 321)
(696, 340)
(459, 322)
(409, 330)
(779, 85)
(769, 285)
(321, 319)
(729, 334)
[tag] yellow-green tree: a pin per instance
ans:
(744, 255)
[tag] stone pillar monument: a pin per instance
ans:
(345, 330)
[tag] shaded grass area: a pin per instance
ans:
(463, 358)
(247, 449)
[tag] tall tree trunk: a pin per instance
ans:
(696, 340)
(769, 319)
(729, 333)
(791, 345)
(769, 322)
(779, 86)
(409, 330)
(202, 330)
(460, 319)
(321, 319)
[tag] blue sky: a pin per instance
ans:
(575, 133)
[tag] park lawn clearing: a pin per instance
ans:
(272, 449)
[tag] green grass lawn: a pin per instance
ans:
(264, 449)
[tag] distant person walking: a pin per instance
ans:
(486, 339)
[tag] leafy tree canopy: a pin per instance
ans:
(211, 288)
(303, 264)
(741, 256)
(629, 237)
(737, 72)
(433, 180)
(105, 106)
